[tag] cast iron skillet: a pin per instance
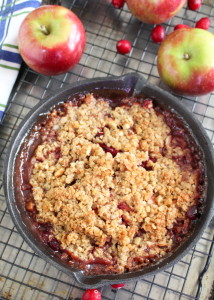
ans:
(133, 84)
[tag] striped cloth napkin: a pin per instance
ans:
(11, 15)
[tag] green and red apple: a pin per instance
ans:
(155, 11)
(186, 61)
(51, 39)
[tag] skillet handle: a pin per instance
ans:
(140, 83)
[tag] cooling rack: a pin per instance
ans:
(24, 275)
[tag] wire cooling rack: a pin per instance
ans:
(23, 275)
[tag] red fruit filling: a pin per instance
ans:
(111, 150)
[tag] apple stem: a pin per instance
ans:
(186, 56)
(44, 29)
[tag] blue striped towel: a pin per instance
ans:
(11, 15)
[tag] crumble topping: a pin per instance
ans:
(113, 182)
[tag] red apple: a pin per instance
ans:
(155, 11)
(186, 61)
(51, 39)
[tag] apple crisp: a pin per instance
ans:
(114, 187)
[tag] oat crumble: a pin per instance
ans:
(107, 181)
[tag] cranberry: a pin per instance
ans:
(107, 245)
(178, 132)
(92, 294)
(64, 256)
(57, 153)
(111, 150)
(26, 187)
(45, 236)
(194, 4)
(54, 244)
(147, 103)
(124, 206)
(100, 132)
(179, 26)
(158, 34)
(144, 164)
(203, 23)
(153, 159)
(123, 46)
(118, 3)
(180, 229)
(118, 286)
(39, 159)
(140, 232)
(192, 212)
(163, 151)
(61, 110)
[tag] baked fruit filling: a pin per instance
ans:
(113, 188)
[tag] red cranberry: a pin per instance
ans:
(158, 34)
(61, 111)
(64, 256)
(118, 286)
(144, 164)
(140, 232)
(26, 186)
(57, 153)
(118, 3)
(54, 244)
(203, 23)
(179, 26)
(45, 236)
(147, 103)
(163, 151)
(124, 206)
(153, 159)
(123, 46)
(100, 132)
(111, 150)
(194, 4)
(192, 212)
(92, 294)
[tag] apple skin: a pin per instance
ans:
(58, 49)
(186, 61)
(155, 11)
